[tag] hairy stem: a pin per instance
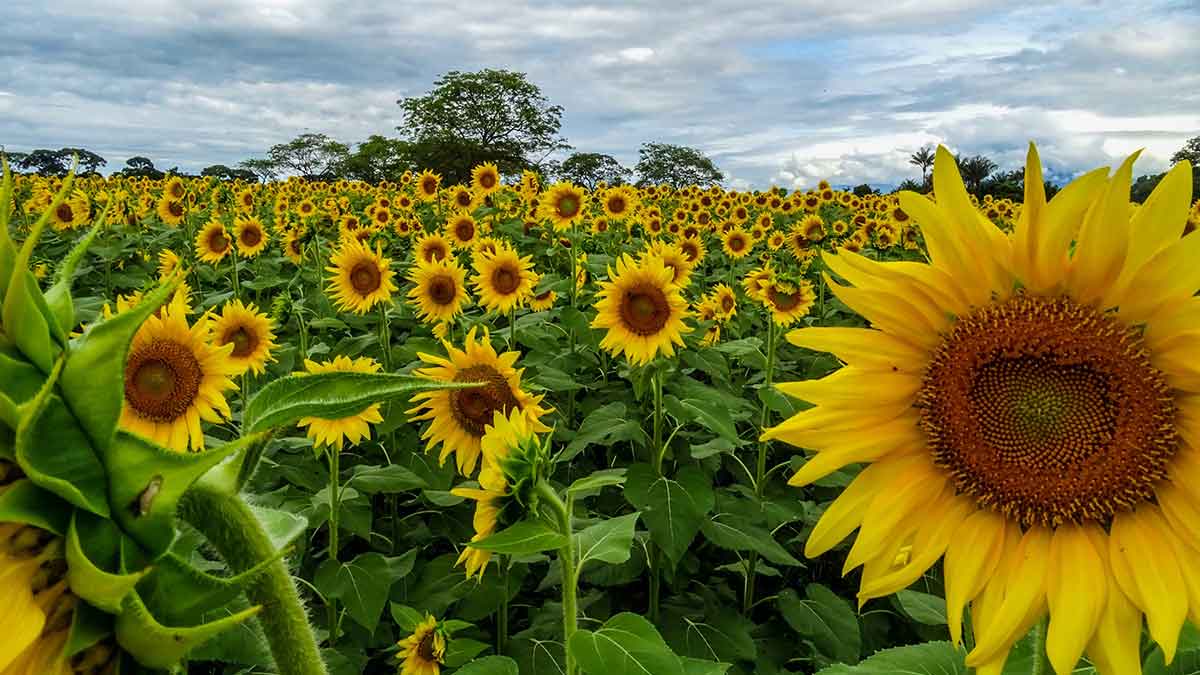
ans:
(566, 557)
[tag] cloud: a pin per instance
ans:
(775, 91)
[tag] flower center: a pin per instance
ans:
(176, 209)
(616, 205)
(487, 179)
(251, 236)
(244, 342)
(429, 185)
(506, 280)
(464, 230)
(442, 290)
(425, 648)
(474, 408)
(365, 278)
(218, 242)
(1048, 412)
(64, 213)
(568, 206)
(784, 301)
(434, 252)
(644, 310)
(162, 380)
(736, 244)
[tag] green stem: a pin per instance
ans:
(760, 473)
(502, 613)
(574, 292)
(659, 450)
(512, 328)
(385, 338)
(566, 557)
(334, 508)
(1041, 664)
(237, 288)
(239, 537)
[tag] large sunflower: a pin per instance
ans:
(250, 334)
(737, 243)
(361, 279)
(642, 310)
(459, 416)
(251, 236)
(462, 230)
(439, 290)
(170, 211)
(174, 378)
(1027, 404)
(354, 428)
(562, 205)
(485, 179)
(504, 280)
(213, 242)
(431, 247)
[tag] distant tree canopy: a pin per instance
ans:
(141, 167)
(974, 170)
(487, 116)
(864, 190)
(1144, 185)
(377, 159)
(589, 168)
(56, 162)
(225, 173)
(313, 156)
(263, 168)
(675, 165)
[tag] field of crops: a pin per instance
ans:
(304, 427)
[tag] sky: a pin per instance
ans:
(784, 93)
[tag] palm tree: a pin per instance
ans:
(923, 158)
(975, 170)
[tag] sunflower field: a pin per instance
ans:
(521, 428)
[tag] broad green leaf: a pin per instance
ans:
(385, 479)
(524, 538)
(609, 540)
(701, 667)
(923, 607)
(362, 584)
(824, 619)
(406, 618)
(626, 644)
(720, 635)
(607, 424)
(282, 527)
(930, 658)
(330, 396)
(461, 650)
(738, 533)
(672, 508)
(24, 502)
(714, 416)
(597, 480)
(489, 665)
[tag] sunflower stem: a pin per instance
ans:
(237, 288)
(1041, 664)
(334, 455)
(502, 613)
(237, 534)
(659, 450)
(566, 557)
(760, 472)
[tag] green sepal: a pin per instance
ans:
(146, 482)
(105, 590)
(9, 416)
(88, 627)
(8, 250)
(331, 396)
(24, 502)
(55, 453)
(93, 380)
(226, 476)
(157, 646)
(20, 380)
(58, 296)
(182, 593)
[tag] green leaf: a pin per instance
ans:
(20, 380)
(93, 380)
(721, 636)
(183, 594)
(626, 644)
(701, 667)
(385, 479)
(608, 540)
(363, 584)
(282, 527)
(714, 416)
(490, 665)
(330, 396)
(524, 538)
(923, 607)
(103, 589)
(406, 618)
(1187, 656)
(58, 296)
(89, 626)
(604, 425)
(824, 619)
(738, 533)
(930, 658)
(24, 502)
(673, 509)
(145, 484)
(598, 479)
(462, 650)
(157, 646)
(28, 321)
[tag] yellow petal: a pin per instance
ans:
(1115, 647)
(859, 447)
(1159, 222)
(849, 387)
(1076, 590)
(986, 254)
(1063, 216)
(845, 514)
(1104, 239)
(937, 525)
(872, 276)
(945, 251)
(1139, 544)
(861, 347)
(1024, 598)
(972, 556)
(891, 514)
(1027, 231)
(1165, 283)
(888, 312)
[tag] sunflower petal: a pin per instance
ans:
(1077, 586)
(1140, 546)
(1024, 598)
(972, 556)
(862, 347)
(1104, 239)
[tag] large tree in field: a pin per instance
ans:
(487, 116)
(675, 165)
(262, 167)
(310, 155)
(589, 168)
(377, 159)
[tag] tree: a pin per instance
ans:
(487, 116)
(45, 162)
(675, 165)
(312, 156)
(1190, 152)
(589, 168)
(89, 162)
(141, 167)
(377, 159)
(264, 169)
(923, 159)
(974, 170)
(909, 185)
(225, 173)
(864, 190)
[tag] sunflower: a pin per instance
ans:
(170, 211)
(736, 242)
(361, 279)
(423, 652)
(168, 263)
(673, 258)
(251, 237)
(642, 310)
(73, 212)
(485, 179)
(332, 433)
(459, 416)
(174, 378)
(788, 302)
(213, 242)
(494, 496)
(293, 246)
(619, 202)
(245, 201)
(562, 205)
(693, 249)
(462, 230)
(543, 301)
(725, 302)
(504, 280)
(439, 290)
(250, 334)
(462, 199)
(431, 247)
(1030, 415)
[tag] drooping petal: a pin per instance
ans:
(1146, 568)
(1024, 598)
(846, 512)
(972, 556)
(1076, 591)
(1103, 241)
(861, 347)
(937, 525)
(1115, 647)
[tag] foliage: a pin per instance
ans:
(675, 165)
(589, 168)
(377, 159)
(312, 156)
